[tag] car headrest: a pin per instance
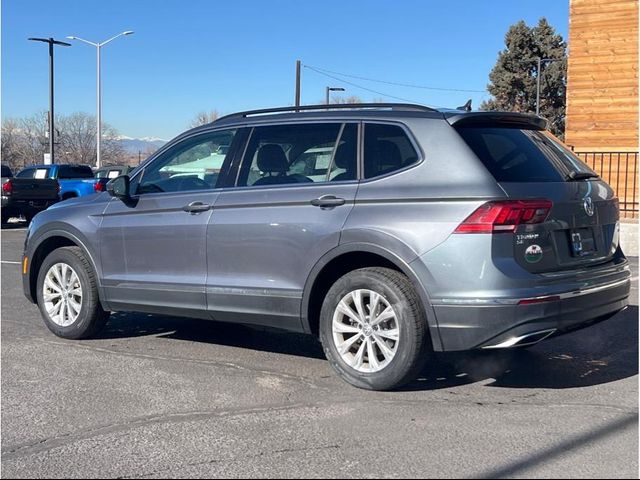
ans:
(345, 156)
(271, 159)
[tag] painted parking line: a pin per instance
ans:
(10, 262)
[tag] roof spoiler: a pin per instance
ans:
(495, 119)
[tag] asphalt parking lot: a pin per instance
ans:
(167, 397)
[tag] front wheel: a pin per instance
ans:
(373, 329)
(68, 295)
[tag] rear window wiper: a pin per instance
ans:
(575, 176)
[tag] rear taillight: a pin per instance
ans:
(98, 186)
(7, 187)
(505, 216)
(531, 301)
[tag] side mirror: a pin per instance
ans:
(119, 187)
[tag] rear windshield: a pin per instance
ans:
(75, 171)
(517, 155)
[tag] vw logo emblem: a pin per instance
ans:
(588, 206)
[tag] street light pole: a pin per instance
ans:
(538, 76)
(331, 89)
(51, 43)
(98, 109)
(538, 87)
(99, 89)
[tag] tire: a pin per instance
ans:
(409, 352)
(90, 318)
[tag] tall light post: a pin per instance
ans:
(332, 89)
(51, 43)
(538, 76)
(99, 93)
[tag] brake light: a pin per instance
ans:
(505, 216)
(98, 186)
(7, 187)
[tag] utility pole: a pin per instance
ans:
(51, 43)
(297, 83)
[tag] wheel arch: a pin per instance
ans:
(347, 257)
(47, 243)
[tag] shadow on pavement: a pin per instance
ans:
(599, 354)
(519, 466)
(602, 353)
(126, 325)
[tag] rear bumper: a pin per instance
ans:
(503, 323)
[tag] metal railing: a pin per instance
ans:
(620, 170)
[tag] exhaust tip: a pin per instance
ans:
(523, 340)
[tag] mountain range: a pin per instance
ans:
(144, 144)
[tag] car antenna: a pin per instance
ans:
(466, 107)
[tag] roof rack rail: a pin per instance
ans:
(339, 106)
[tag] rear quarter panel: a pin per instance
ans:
(412, 211)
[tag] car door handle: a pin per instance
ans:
(328, 201)
(196, 207)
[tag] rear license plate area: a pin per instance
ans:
(582, 242)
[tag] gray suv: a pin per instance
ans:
(388, 230)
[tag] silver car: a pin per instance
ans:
(388, 230)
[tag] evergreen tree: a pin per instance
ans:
(513, 79)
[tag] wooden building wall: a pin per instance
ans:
(602, 84)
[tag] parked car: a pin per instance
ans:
(443, 231)
(111, 171)
(25, 197)
(74, 180)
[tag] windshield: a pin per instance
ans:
(521, 155)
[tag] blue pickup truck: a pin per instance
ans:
(74, 180)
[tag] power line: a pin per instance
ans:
(361, 87)
(409, 85)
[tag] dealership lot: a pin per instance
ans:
(167, 397)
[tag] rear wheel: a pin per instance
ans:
(373, 329)
(68, 295)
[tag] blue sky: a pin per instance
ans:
(193, 55)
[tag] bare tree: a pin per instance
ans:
(349, 99)
(24, 140)
(9, 138)
(77, 141)
(32, 139)
(202, 118)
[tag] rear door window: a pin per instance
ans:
(518, 155)
(387, 148)
(300, 154)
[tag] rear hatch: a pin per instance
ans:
(581, 227)
(34, 189)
